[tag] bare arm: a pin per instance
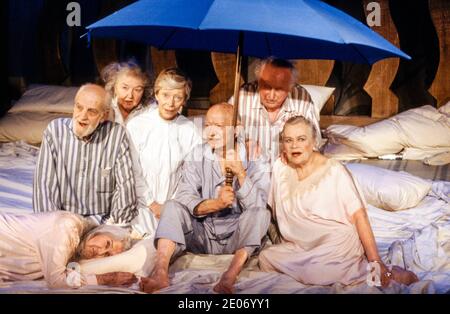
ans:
(366, 235)
(208, 207)
(225, 199)
(368, 242)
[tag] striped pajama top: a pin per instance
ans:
(90, 178)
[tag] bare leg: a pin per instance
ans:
(159, 278)
(226, 282)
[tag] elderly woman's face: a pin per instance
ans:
(298, 144)
(128, 90)
(102, 245)
(170, 102)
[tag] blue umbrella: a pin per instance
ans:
(289, 29)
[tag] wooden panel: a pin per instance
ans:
(440, 14)
(224, 67)
(196, 112)
(105, 52)
(384, 101)
(316, 72)
(327, 120)
(162, 59)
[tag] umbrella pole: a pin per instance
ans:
(237, 80)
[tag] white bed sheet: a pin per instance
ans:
(17, 163)
(417, 238)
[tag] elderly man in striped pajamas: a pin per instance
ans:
(84, 164)
(266, 104)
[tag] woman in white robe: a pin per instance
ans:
(162, 138)
(321, 215)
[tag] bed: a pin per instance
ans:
(416, 141)
(417, 237)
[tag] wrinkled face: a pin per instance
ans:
(298, 144)
(128, 90)
(274, 85)
(218, 129)
(88, 113)
(102, 245)
(170, 102)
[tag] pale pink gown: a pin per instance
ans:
(320, 242)
(39, 245)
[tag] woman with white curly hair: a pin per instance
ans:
(129, 87)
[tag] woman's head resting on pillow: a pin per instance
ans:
(103, 241)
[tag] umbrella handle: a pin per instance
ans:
(228, 177)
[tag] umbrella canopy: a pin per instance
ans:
(289, 29)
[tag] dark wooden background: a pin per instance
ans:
(41, 48)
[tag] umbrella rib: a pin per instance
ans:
(167, 39)
(363, 56)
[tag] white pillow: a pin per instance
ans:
(412, 153)
(387, 189)
(139, 260)
(341, 152)
(319, 95)
(374, 140)
(424, 128)
(445, 109)
(26, 126)
(46, 98)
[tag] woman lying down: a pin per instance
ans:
(33, 246)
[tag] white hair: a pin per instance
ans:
(116, 233)
(278, 63)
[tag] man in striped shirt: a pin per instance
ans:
(84, 164)
(264, 105)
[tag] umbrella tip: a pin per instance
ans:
(88, 37)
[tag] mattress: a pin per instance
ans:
(417, 238)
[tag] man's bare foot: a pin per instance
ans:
(225, 284)
(157, 281)
(403, 276)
